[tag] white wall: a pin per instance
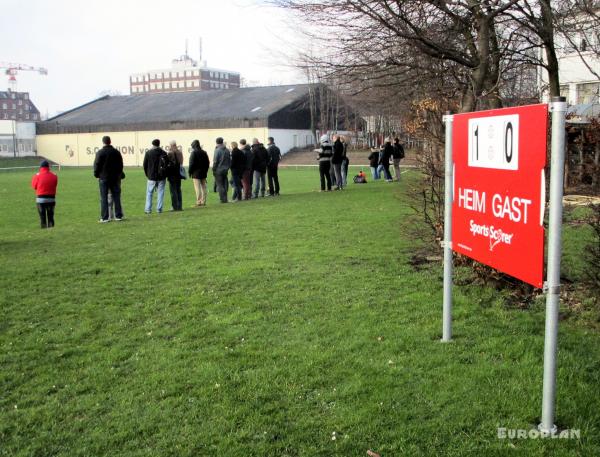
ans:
(287, 139)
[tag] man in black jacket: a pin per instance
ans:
(108, 168)
(398, 155)
(238, 165)
(259, 166)
(198, 169)
(336, 161)
(155, 161)
(274, 158)
(247, 176)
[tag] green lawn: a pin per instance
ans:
(292, 326)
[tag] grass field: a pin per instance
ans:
(292, 326)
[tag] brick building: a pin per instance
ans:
(16, 106)
(184, 75)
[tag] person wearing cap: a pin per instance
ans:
(44, 182)
(324, 158)
(108, 168)
(221, 165)
(154, 162)
(274, 158)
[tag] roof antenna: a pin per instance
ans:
(186, 48)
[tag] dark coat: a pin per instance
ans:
(108, 164)
(151, 163)
(249, 156)
(387, 152)
(274, 155)
(374, 159)
(199, 164)
(398, 151)
(261, 158)
(238, 162)
(338, 152)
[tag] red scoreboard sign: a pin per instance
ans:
(499, 190)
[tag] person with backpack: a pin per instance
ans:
(221, 165)
(174, 177)
(108, 168)
(398, 155)
(259, 166)
(44, 183)
(156, 167)
(198, 170)
(274, 158)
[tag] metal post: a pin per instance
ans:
(558, 107)
(447, 313)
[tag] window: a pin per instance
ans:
(27, 116)
(4, 148)
(588, 93)
(4, 106)
(227, 76)
(26, 96)
(20, 102)
(14, 106)
(5, 115)
(26, 107)
(34, 117)
(211, 74)
(12, 95)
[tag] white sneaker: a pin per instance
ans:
(104, 221)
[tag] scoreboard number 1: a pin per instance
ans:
(494, 142)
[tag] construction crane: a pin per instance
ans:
(12, 69)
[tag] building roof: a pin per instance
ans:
(178, 110)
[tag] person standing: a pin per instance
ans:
(345, 162)
(336, 161)
(398, 155)
(176, 158)
(324, 159)
(238, 165)
(44, 182)
(374, 163)
(259, 167)
(247, 176)
(198, 170)
(221, 165)
(384, 159)
(108, 168)
(274, 158)
(155, 168)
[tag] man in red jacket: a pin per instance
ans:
(44, 182)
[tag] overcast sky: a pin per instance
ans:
(93, 46)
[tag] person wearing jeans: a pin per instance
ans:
(374, 163)
(159, 187)
(156, 176)
(336, 162)
(108, 168)
(259, 167)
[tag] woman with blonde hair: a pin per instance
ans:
(174, 177)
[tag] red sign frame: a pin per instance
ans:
(499, 190)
